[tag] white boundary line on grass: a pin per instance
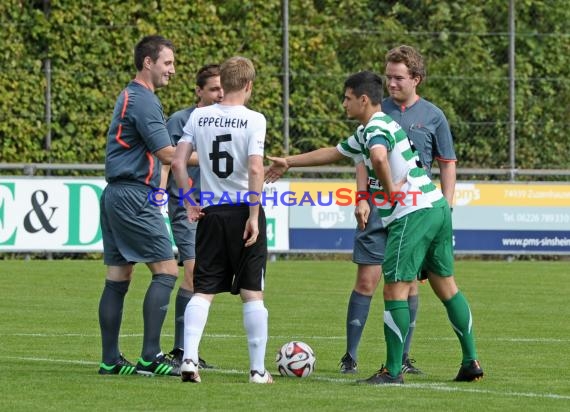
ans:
(442, 387)
(433, 386)
(229, 336)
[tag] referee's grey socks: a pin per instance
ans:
(110, 316)
(182, 298)
(356, 316)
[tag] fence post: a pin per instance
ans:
(285, 54)
(512, 90)
(47, 72)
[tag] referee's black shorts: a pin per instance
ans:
(223, 263)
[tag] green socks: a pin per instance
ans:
(459, 315)
(396, 326)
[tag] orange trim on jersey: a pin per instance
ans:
(439, 159)
(150, 158)
(118, 136)
(404, 107)
(125, 102)
(143, 84)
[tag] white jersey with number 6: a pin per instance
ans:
(225, 137)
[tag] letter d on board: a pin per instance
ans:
(11, 239)
(74, 228)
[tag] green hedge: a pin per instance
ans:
(90, 47)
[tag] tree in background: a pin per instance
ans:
(465, 44)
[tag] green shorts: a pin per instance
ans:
(419, 240)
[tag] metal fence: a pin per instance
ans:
(70, 169)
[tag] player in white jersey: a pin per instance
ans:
(227, 135)
(416, 216)
(231, 243)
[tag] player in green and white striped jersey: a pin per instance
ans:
(417, 190)
(417, 218)
(419, 231)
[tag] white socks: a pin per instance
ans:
(195, 318)
(255, 317)
(255, 322)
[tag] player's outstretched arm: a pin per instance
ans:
(276, 170)
(318, 157)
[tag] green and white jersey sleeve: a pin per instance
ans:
(355, 147)
(352, 146)
(418, 191)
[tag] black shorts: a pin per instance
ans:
(223, 263)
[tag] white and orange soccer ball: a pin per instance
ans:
(295, 359)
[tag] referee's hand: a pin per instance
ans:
(361, 212)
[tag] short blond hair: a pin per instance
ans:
(235, 73)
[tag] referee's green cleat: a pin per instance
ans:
(162, 365)
(121, 367)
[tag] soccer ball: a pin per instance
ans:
(295, 359)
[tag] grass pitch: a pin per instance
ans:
(51, 346)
